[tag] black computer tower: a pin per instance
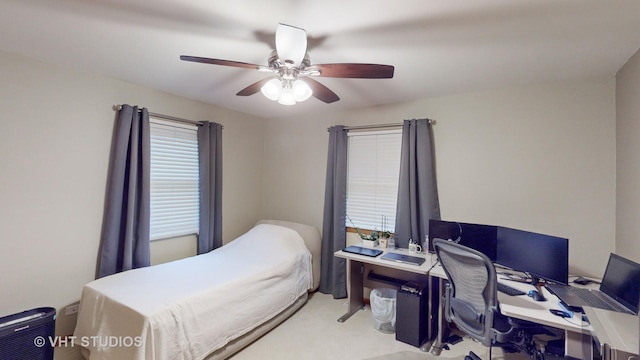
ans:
(28, 335)
(412, 313)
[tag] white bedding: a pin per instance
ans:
(188, 308)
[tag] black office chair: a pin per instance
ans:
(471, 302)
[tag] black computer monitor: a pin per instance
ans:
(476, 236)
(541, 256)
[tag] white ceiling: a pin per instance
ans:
(438, 47)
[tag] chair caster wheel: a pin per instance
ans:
(538, 355)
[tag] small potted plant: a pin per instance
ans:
(370, 240)
(384, 234)
(375, 237)
(384, 239)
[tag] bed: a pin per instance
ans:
(203, 307)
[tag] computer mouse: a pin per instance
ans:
(560, 313)
(536, 295)
(582, 281)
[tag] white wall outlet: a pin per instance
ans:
(71, 309)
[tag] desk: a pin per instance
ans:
(356, 265)
(615, 333)
(520, 307)
(525, 308)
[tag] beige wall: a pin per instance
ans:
(628, 159)
(539, 158)
(55, 136)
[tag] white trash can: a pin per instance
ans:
(383, 307)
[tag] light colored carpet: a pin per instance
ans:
(314, 333)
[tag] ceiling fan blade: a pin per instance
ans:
(291, 43)
(357, 71)
(220, 62)
(254, 88)
(320, 91)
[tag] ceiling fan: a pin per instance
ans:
(292, 70)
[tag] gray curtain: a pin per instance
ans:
(210, 157)
(417, 189)
(125, 230)
(333, 276)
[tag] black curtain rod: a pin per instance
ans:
(166, 117)
(381, 126)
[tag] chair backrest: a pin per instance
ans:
(471, 298)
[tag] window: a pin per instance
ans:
(373, 163)
(175, 199)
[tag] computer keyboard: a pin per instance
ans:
(506, 289)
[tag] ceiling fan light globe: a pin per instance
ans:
(287, 97)
(301, 90)
(272, 89)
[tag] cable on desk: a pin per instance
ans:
(434, 264)
(582, 324)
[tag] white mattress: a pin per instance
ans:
(188, 308)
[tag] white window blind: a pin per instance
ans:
(372, 178)
(174, 179)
